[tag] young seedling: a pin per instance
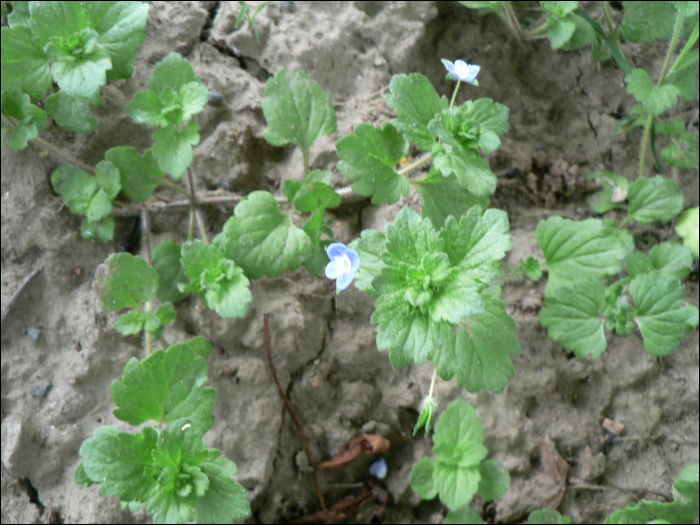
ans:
(245, 15)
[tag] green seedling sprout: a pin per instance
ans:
(245, 15)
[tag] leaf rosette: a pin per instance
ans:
(430, 303)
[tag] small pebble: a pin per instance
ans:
(215, 99)
(378, 469)
(33, 334)
(39, 390)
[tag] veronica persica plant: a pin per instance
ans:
(345, 262)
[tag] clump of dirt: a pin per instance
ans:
(60, 351)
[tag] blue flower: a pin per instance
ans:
(343, 266)
(378, 469)
(461, 70)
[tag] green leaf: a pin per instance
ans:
(422, 478)
(370, 246)
(25, 67)
(662, 313)
(531, 267)
(478, 351)
(166, 387)
(636, 26)
(495, 480)
(560, 30)
(579, 249)
(121, 26)
(547, 517)
(175, 472)
(81, 192)
(559, 9)
(226, 500)
(687, 229)
(297, 110)
(573, 318)
(71, 113)
(200, 345)
(220, 283)
(166, 261)
(672, 260)
(686, 80)
(124, 280)
(459, 449)
(613, 193)
(31, 118)
(452, 157)
(130, 323)
(584, 35)
(107, 176)
(117, 461)
(81, 477)
(172, 148)
(313, 193)
(477, 242)
(75, 186)
(416, 102)
(684, 508)
(166, 313)
(140, 176)
(103, 230)
(655, 99)
(172, 72)
(444, 196)
(368, 158)
(175, 93)
(262, 240)
(466, 514)
(654, 199)
(683, 152)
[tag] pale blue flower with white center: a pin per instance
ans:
(378, 469)
(345, 262)
(462, 71)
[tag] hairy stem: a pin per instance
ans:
(513, 20)
(664, 70)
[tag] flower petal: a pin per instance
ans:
(354, 260)
(344, 280)
(334, 269)
(336, 249)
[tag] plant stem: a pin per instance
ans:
(305, 153)
(534, 32)
(513, 20)
(415, 164)
(662, 77)
(454, 95)
(195, 210)
(614, 36)
(146, 237)
(12, 121)
(176, 187)
(266, 324)
(432, 383)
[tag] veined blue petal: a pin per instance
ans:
(336, 249)
(344, 280)
(334, 269)
(354, 259)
